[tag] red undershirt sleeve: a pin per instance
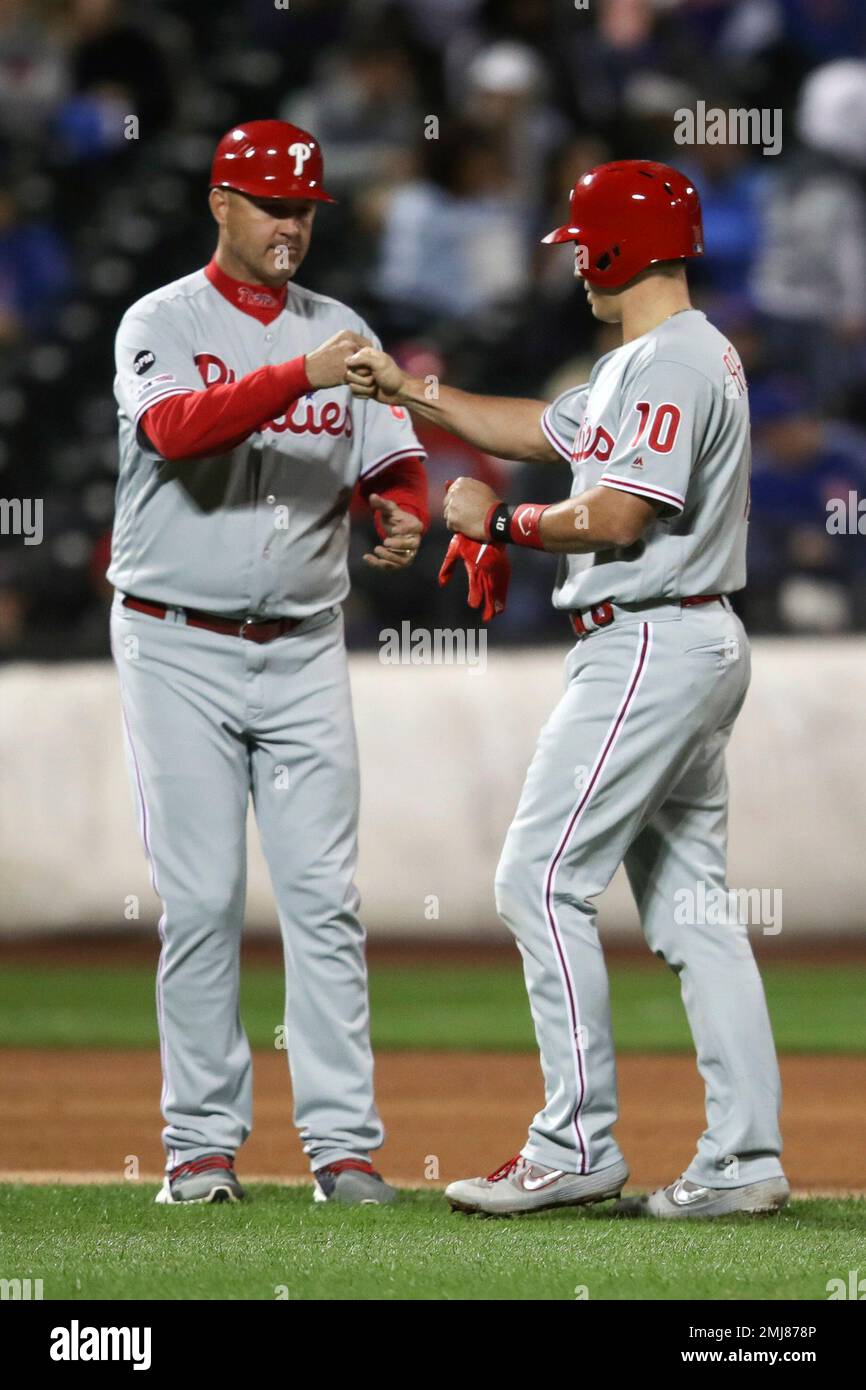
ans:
(403, 482)
(199, 423)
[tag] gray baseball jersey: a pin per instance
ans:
(264, 529)
(665, 417)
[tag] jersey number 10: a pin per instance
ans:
(663, 431)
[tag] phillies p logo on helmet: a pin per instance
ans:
(302, 154)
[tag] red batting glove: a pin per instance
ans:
(488, 570)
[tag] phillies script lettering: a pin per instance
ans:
(306, 417)
(592, 442)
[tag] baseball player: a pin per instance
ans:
(630, 766)
(240, 447)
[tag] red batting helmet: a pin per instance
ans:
(629, 215)
(270, 159)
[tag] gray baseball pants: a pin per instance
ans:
(630, 768)
(209, 721)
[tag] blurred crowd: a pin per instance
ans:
(452, 134)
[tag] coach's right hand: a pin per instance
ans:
(373, 375)
(326, 365)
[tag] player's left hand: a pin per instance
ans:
(467, 503)
(402, 538)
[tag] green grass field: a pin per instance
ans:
(113, 1243)
(813, 1010)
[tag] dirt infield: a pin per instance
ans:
(447, 1114)
(141, 947)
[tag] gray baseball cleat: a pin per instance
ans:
(353, 1183)
(521, 1186)
(211, 1178)
(686, 1200)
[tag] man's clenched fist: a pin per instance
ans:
(467, 503)
(373, 375)
(326, 365)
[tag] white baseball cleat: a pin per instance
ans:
(521, 1186)
(686, 1200)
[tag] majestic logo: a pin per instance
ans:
(306, 416)
(638, 463)
(142, 360)
(301, 153)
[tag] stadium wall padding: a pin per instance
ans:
(443, 751)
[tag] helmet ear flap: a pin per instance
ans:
(607, 258)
